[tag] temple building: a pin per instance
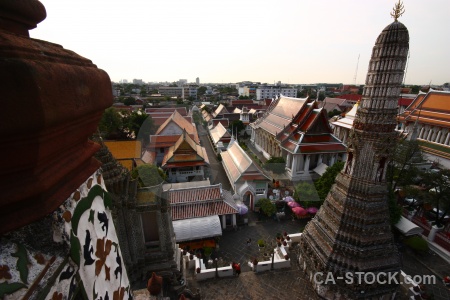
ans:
(297, 130)
(341, 127)
(248, 181)
(167, 135)
(351, 232)
(220, 137)
(185, 161)
(429, 114)
(199, 212)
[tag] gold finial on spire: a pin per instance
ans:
(398, 10)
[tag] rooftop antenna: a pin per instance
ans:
(356, 71)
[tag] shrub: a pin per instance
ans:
(417, 243)
(267, 207)
(207, 251)
(261, 243)
(148, 175)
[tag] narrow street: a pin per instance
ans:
(216, 172)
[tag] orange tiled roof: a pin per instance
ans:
(185, 152)
(431, 108)
(181, 122)
(124, 149)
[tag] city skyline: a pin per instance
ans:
(291, 42)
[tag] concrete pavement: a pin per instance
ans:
(216, 172)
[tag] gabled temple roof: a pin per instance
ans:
(181, 122)
(280, 113)
(308, 130)
(239, 166)
(432, 108)
(347, 121)
(185, 152)
(219, 132)
(181, 110)
(221, 109)
(195, 202)
(164, 141)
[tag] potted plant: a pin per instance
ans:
(198, 270)
(284, 243)
(207, 251)
(184, 252)
(191, 256)
(288, 238)
(279, 236)
(286, 257)
(285, 233)
(279, 244)
(261, 243)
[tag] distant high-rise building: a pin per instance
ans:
(272, 91)
(197, 80)
(182, 82)
(138, 81)
(351, 234)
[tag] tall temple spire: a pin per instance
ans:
(351, 233)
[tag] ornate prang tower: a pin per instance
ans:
(351, 232)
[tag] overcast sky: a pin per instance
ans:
(292, 41)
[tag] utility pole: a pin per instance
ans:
(356, 71)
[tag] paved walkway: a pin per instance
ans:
(216, 172)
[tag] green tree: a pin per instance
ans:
(201, 90)
(402, 168)
(139, 125)
(306, 194)
(437, 192)
(333, 113)
(111, 125)
(395, 210)
(129, 101)
(148, 175)
(324, 183)
(267, 207)
(236, 126)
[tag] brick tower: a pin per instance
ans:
(351, 232)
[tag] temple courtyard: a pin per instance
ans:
(289, 283)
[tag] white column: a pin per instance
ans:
(333, 159)
(234, 219)
(421, 132)
(446, 139)
(224, 222)
(288, 160)
(438, 136)
(307, 158)
(319, 161)
(294, 163)
(429, 134)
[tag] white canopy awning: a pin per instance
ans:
(197, 228)
(407, 227)
(321, 168)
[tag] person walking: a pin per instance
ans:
(249, 240)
